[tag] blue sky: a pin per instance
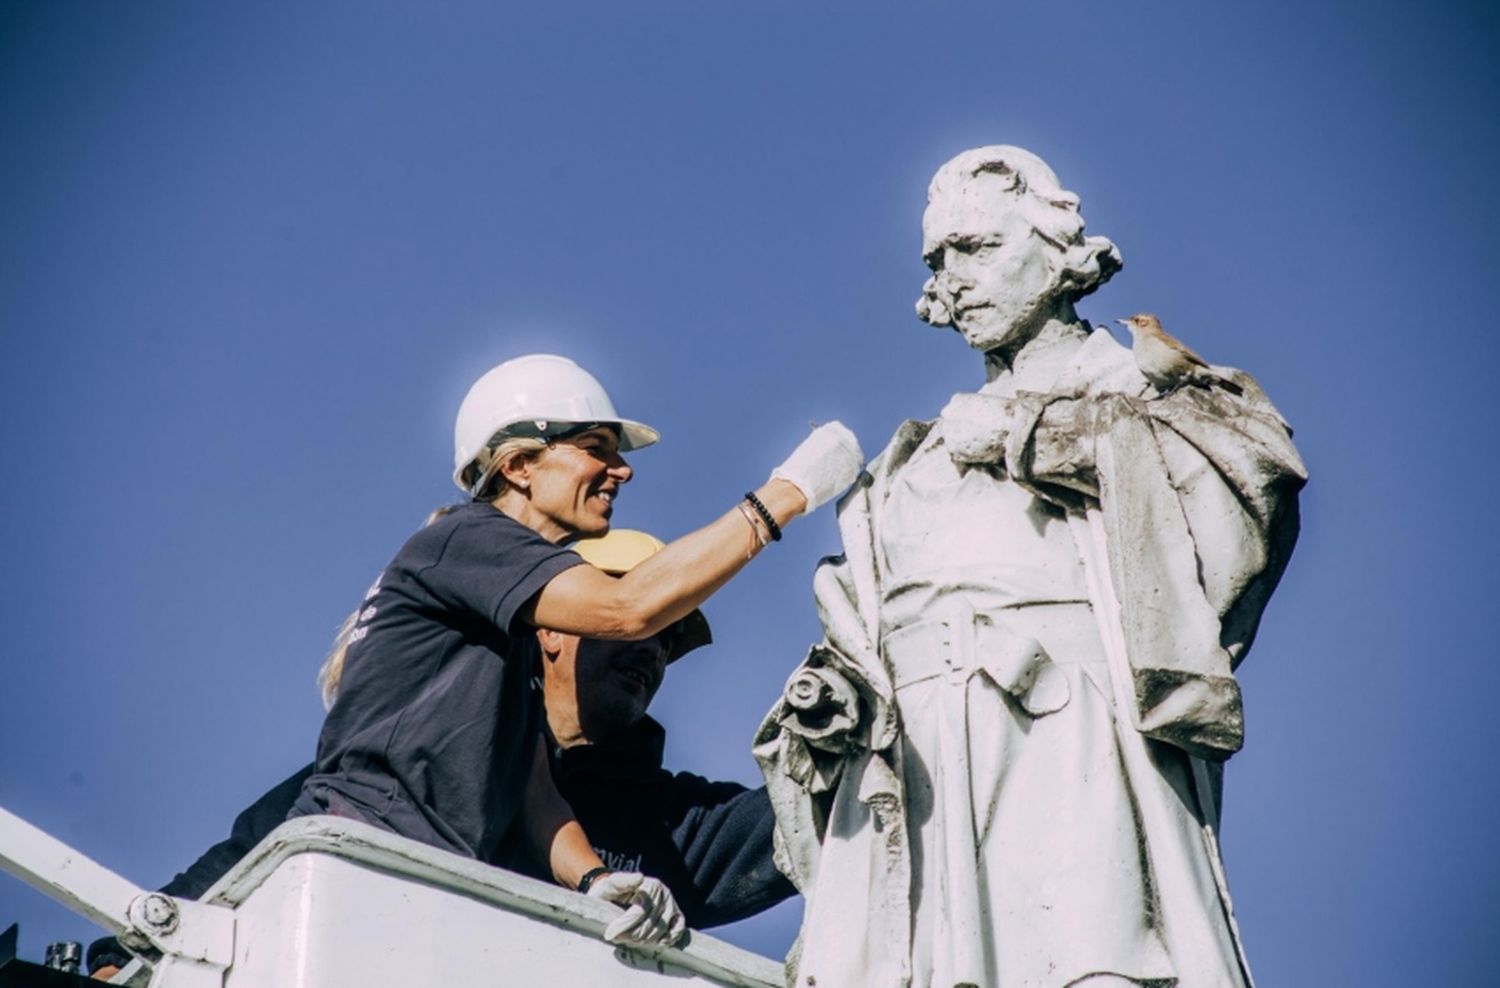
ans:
(252, 255)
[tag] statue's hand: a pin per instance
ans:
(975, 427)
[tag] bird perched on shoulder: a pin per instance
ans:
(1166, 362)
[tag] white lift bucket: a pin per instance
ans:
(325, 902)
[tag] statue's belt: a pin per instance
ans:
(950, 648)
(1005, 644)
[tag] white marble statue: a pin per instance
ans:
(1001, 767)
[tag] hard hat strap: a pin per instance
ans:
(568, 430)
(554, 431)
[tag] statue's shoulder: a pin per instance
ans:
(908, 436)
(869, 489)
(1102, 364)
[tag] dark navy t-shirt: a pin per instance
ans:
(436, 719)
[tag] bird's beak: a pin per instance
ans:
(1123, 322)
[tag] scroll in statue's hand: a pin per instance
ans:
(823, 708)
(975, 427)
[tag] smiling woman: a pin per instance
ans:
(565, 485)
(435, 732)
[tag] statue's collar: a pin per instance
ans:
(1044, 363)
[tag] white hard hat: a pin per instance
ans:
(537, 395)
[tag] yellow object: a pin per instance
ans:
(622, 550)
(619, 551)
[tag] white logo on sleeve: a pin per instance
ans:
(361, 627)
(616, 861)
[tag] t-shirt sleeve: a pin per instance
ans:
(491, 566)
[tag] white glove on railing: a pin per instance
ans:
(651, 917)
(826, 463)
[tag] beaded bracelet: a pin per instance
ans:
(765, 515)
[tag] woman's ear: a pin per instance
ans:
(551, 643)
(516, 472)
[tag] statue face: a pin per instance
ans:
(994, 278)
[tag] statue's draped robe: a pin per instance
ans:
(1035, 645)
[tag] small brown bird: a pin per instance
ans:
(1166, 362)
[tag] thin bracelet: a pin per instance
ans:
(590, 876)
(765, 515)
(757, 533)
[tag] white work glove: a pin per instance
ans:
(651, 917)
(826, 463)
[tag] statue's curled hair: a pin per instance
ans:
(1052, 211)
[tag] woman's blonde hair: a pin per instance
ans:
(332, 668)
(487, 477)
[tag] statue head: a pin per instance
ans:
(1006, 247)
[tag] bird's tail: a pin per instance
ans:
(1223, 381)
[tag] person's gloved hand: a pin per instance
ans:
(651, 917)
(826, 463)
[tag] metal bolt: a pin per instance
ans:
(158, 912)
